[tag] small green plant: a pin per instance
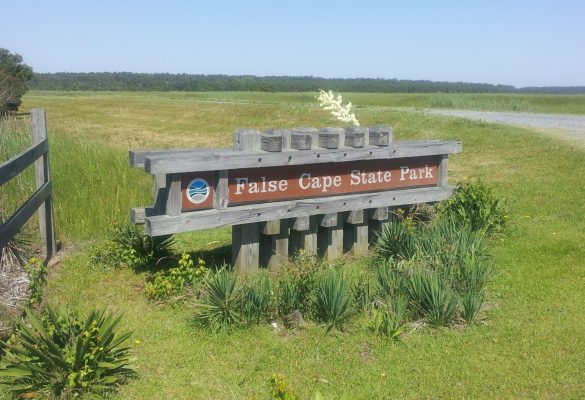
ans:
(220, 306)
(167, 283)
(474, 205)
(64, 356)
(333, 302)
(288, 297)
(257, 300)
(37, 278)
(128, 246)
(389, 278)
(433, 297)
(470, 303)
(388, 318)
(280, 389)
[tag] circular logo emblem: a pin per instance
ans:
(198, 191)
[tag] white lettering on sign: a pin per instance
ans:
(359, 177)
(324, 183)
(263, 186)
(416, 173)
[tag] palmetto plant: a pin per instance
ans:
(220, 306)
(64, 356)
(257, 299)
(333, 302)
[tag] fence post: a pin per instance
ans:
(42, 176)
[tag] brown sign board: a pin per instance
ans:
(261, 185)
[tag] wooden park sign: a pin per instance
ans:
(325, 191)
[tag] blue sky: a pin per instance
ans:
(522, 43)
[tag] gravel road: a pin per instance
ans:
(571, 125)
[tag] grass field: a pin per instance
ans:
(530, 346)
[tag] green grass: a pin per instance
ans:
(531, 345)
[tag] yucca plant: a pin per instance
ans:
(221, 303)
(395, 240)
(389, 278)
(433, 297)
(64, 356)
(257, 299)
(388, 318)
(361, 292)
(470, 303)
(333, 305)
(288, 296)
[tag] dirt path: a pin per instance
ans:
(570, 125)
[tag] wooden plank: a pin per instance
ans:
(136, 157)
(162, 225)
(196, 161)
(443, 177)
(42, 176)
(17, 220)
(271, 142)
(11, 168)
(380, 135)
(174, 200)
(331, 138)
(221, 192)
(355, 236)
(305, 239)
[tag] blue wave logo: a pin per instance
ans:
(198, 191)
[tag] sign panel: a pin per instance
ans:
(258, 185)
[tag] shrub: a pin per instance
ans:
(474, 205)
(61, 355)
(333, 305)
(389, 278)
(257, 299)
(167, 283)
(433, 297)
(220, 306)
(128, 246)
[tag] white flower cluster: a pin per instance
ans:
(328, 101)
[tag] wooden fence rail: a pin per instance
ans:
(37, 154)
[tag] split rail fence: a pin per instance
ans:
(37, 154)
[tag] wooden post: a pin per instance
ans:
(42, 176)
(330, 237)
(303, 235)
(378, 217)
(443, 171)
(355, 233)
(246, 237)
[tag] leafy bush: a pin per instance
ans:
(128, 246)
(167, 283)
(61, 355)
(388, 318)
(257, 299)
(474, 205)
(220, 306)
(333, 305)
(433, 297)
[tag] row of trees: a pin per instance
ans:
(186, 82)
(14, 74)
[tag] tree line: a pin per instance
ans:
(197, 83)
